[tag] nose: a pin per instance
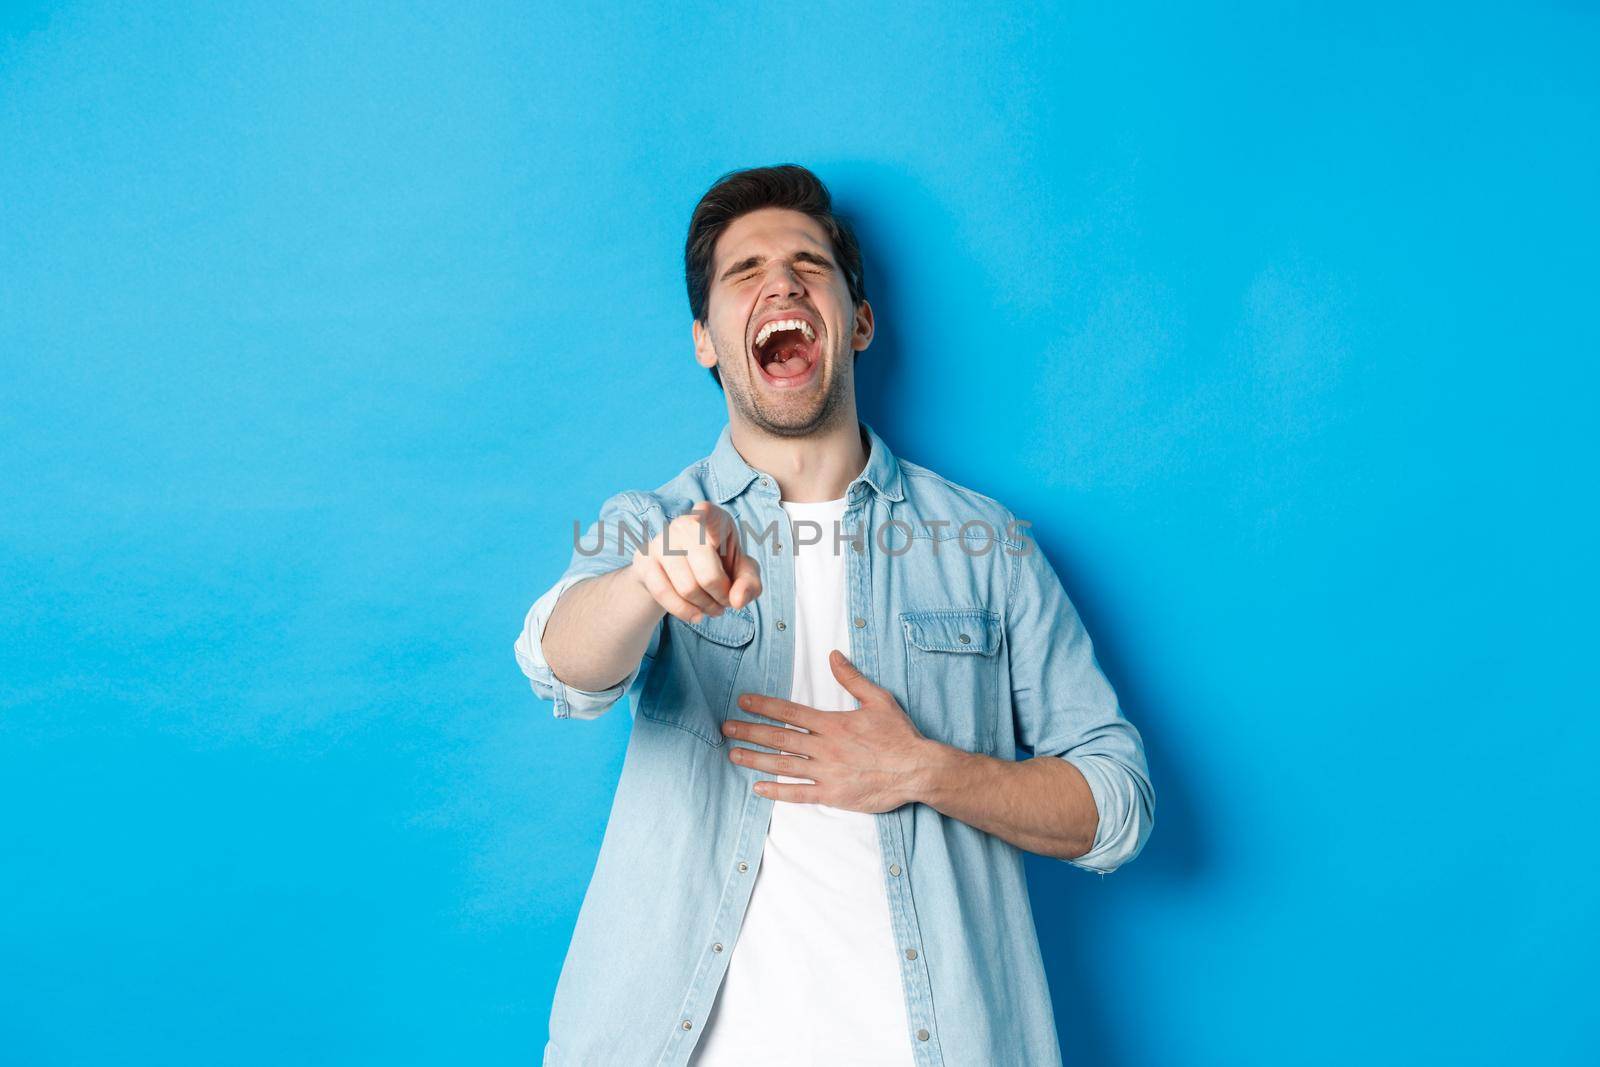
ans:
(781, 282)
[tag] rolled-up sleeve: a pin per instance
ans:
(607, 545)
(1064, 707)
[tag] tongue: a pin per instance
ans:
(788, 368)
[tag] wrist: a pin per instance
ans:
(640, 601)
(934, 768)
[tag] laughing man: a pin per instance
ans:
(860, 694)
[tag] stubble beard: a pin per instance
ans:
(800, 417)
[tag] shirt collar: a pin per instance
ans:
(731, 475)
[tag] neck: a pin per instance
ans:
(816, 467)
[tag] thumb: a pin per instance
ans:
(711, 519)
(855, 683)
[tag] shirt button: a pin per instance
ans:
(894, 869)
(964, 639)
(717, 947)
(777, 546)
(687, 1025)
(860, 622)
(782, 625)
(922, 1035)
(763, 483)
(743, 866)
(911, 953)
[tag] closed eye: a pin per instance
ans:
(742, 272)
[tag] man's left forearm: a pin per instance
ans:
(1042, 804)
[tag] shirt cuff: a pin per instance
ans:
(570, 702)
(1124, 813)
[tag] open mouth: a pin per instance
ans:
(786, 352)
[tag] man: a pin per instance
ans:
(847, 885)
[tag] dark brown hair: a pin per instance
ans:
(740, 192)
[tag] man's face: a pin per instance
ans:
(780, 327)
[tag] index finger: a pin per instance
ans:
(805, 717)
(706, 566)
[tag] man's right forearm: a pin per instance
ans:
(599, 629)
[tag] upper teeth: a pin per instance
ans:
(784, 324)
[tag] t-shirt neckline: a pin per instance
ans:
(815, 505)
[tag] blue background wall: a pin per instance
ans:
(319, 326)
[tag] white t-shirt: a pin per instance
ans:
(814, 977)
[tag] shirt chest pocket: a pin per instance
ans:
(953, 675)
(691, 685)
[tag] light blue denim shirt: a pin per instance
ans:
(955, 611)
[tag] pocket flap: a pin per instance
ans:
(734, 627)
(953, 631)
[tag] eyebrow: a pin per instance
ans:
(756, 261)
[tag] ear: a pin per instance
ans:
(862, 335)
(704, 354)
